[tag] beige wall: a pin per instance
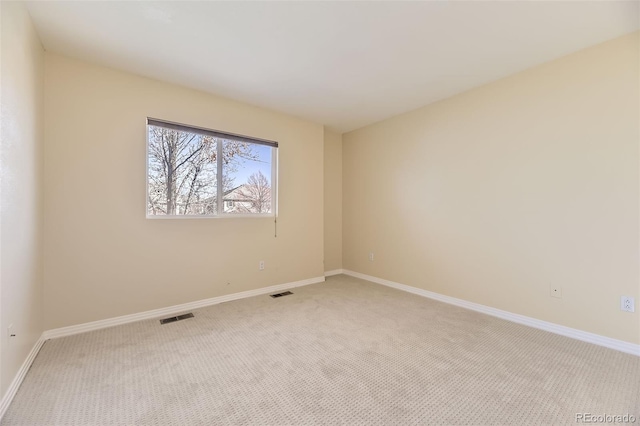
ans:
(21, 88)
(102, 257)
(332, 200)
(496, 194)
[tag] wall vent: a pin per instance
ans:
(174, 319)
(286, 293)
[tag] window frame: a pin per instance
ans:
(220, 214)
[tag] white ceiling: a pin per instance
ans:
(342, 64)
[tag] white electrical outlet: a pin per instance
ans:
(556, 291)
(371, 256)
(261, 265)
(627, 304)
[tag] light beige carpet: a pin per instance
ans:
(342, 352)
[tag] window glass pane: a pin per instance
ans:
(182, 173)
(199, 172)
(246, 171)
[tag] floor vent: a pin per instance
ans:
(286, 293)
(178, 318)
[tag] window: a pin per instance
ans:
(191, 171)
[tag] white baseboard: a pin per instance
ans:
(573, 333)
(596, 339)
(17, 380)
(172, 310)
